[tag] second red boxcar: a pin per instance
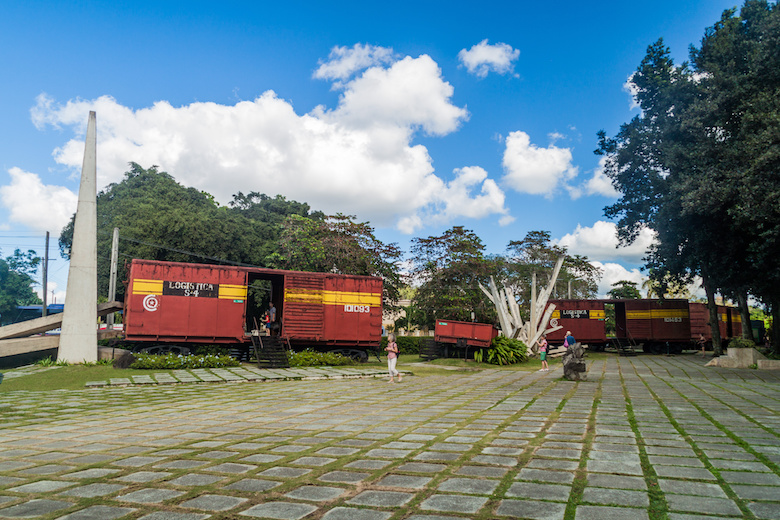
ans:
(474, 334)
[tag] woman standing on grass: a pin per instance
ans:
(392, 357)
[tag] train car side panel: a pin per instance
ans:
(171, 302)
(475, 334)
(658, 320)
(334, 309)
(584, 318)
(353, 310)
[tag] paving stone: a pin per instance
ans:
(284, 472)
(437, 455)
(181, 464)
(558, 477)
(349, 513)
(609, 513)
(404, 481)
(616, 481)
(41, 486)
(619, 497)
(470, 486)
(315, 493)
(382, 453)
(683, 472)
(539, 491)
(421, 467)
(347, 477)
(280, 510)
(150, 496)
(741, 477)
(231, 467)
(531, 509)
(368, 464)
(495, 459)
(453, 503)
(706, 505)
(261, 458)
(93, 490)
(764, 510)
(144, 476)
(566, 465)
(338, 452)
(381, 498)
(135, 462)
(214, 502)
(684, 487)
(35, 508)
(195, 479)
(602, 466)
(253, 485)
(757, 492)
(99, 513)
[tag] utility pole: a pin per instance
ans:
(112, 277)
(45, 274)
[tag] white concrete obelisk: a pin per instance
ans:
(78, 340)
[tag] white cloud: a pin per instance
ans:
(407, 95)
(598, 184)
(35, 205)
(615, 273)
(343, 62)
(534, 170)
(54, 295)
(632, 90)
(482, 58)
(358, 158)
(600, 241)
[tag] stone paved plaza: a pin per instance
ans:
(646, 437)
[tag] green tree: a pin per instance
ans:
(338, 244)
(159, 219)
(699, 164)
(536, 254)
(16, 282)
(624, 290)
(448, 269)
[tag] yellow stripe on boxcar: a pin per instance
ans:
(147, 286)
(232, 292)
(332, 297)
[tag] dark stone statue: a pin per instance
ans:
(574, 363)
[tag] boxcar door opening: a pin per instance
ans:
(264, 288)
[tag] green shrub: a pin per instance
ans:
(174, 361)
(311, 358)
(203, 350)
(741, 343)
(406, 344)
(503, 351)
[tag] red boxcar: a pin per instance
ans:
(474, 334)
(168, 302)
(584, 318)
(729, 322)
(659, 325)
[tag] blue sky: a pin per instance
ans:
(415, 116)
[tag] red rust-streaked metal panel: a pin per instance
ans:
(333, 309)
(195, 303)
(584, 318)
(700, 321)
(729, 321)
(658, 320)
(475, 334)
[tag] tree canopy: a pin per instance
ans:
(624, 290)
(700, 164)
(448, 269)
(338, 244)
(16, 282)
(159, 219)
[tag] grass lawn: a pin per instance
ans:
(75, 377)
